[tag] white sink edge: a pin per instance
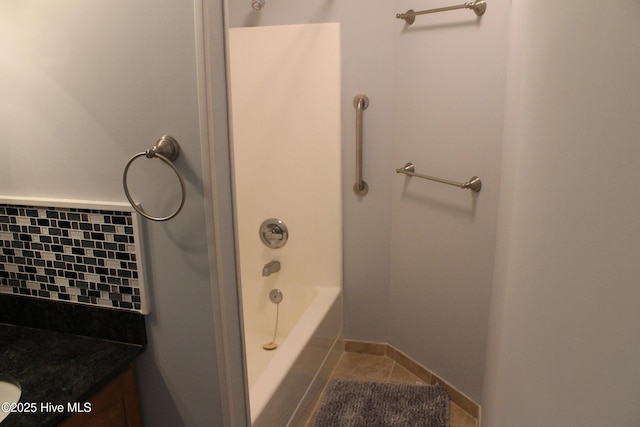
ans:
(10, 393)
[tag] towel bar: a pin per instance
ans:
(478, 6)
(474, 184)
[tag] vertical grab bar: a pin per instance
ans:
(360, 102)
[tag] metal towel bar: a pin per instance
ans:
(474, 184)
(360, 102)
(478, 6)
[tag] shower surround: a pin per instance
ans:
(285, 105)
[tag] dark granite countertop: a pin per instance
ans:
(58, 368)
(62, 366)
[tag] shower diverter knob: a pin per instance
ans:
(274, 233)
(276, 296)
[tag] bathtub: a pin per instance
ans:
(284, 383)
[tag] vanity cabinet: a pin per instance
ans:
(116, 405)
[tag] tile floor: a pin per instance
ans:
(372, 367)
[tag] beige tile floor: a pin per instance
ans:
(371, 367)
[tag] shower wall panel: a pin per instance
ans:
(285, 87)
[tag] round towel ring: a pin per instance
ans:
(166, 149)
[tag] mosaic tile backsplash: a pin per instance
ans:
(75, 254)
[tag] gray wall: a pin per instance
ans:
(84, 88)
(449, 104)
(564, 344)
(418, 256)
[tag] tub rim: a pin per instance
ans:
(270, 379)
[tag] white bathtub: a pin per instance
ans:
(284, 382)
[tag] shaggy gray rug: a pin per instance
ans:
(349, 403)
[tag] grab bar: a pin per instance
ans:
(474, 184)
(166, 149)
(478, 6)
(360, 102)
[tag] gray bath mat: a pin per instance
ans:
(349, 403)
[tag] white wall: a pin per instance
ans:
(84, 87)
(564, 344)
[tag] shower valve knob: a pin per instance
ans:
(273, 233)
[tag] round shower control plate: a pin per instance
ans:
(275, 296)
(273, 233)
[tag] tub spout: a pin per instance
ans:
(270, 268)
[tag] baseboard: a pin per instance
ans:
(384, 349)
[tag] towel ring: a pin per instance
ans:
(166, 149)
